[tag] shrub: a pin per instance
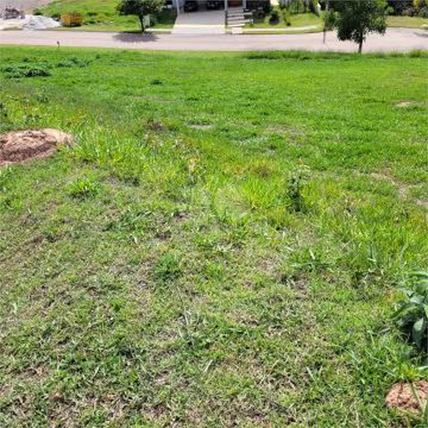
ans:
(73, 62)
(418, 53)
(409, 11)
(423, 12)
(259, 15)
(37, 12)
(274, 17)
(412, 315)
(296, 6)
(286, 17)
(15, 72)
(397, 7)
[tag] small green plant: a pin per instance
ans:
(3, 113)
(83, 188)
(294, 190)
(168, 267)
(5, 174)
(412, 314)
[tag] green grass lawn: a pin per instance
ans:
(309, 19)
(101, 15)
(220, 248)
(296, 20)
(406, 21)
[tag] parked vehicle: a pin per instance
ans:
(214, 4)
(191, 6)
(259, 4)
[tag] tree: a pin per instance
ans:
(329, 18)
(355, 19)
(141, 8)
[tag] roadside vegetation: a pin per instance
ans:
(295, 20)
(355, 20)
(296, 13)
(406, 21)
(102, 15)
(219, 248)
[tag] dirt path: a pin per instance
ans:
(396, 39)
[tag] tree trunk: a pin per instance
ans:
(141, 18)
(360, 40)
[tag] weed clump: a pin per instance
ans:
(73, 62)
(294, 191)
(18, 71)
(412, 315)
(83, 188)
(168, 267)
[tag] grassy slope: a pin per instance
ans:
(101, 15)
(159, 274)
(406, 21)
(297, 20)
(307, 19)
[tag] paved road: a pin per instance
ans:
(398, 39)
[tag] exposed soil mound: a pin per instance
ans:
(401, 397)
(22, 146)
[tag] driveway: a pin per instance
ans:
(201, 22)
(396, 39)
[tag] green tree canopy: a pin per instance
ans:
(140, 8)
(355, 19)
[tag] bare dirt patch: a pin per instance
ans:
(22, 146)
(201, 126)
(404, 104)
(407, 104)
(401, 396)
(422, 203)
